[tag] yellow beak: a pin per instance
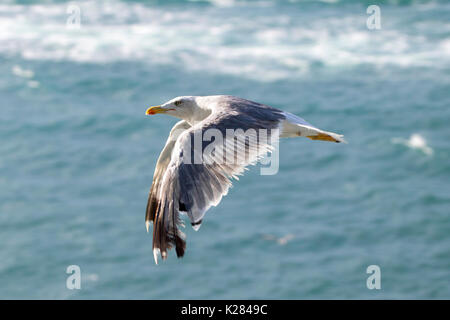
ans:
(155, 110)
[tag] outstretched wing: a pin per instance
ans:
(161, 166)
(204, 159)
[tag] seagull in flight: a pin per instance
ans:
(184, 184)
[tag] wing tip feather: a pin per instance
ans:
(155, 255)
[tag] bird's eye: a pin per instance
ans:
(177, 103)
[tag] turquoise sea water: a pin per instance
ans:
(77, 153)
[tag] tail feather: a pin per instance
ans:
(294, 126)
(328, 136)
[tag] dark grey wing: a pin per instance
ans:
(161, 166)
(199, 174)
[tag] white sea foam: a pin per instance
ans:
(264, 48)
(219, 3)
(23, 73)
(415, 141)
(281, 241)
(33, 84)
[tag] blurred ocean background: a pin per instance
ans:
(77, 152)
